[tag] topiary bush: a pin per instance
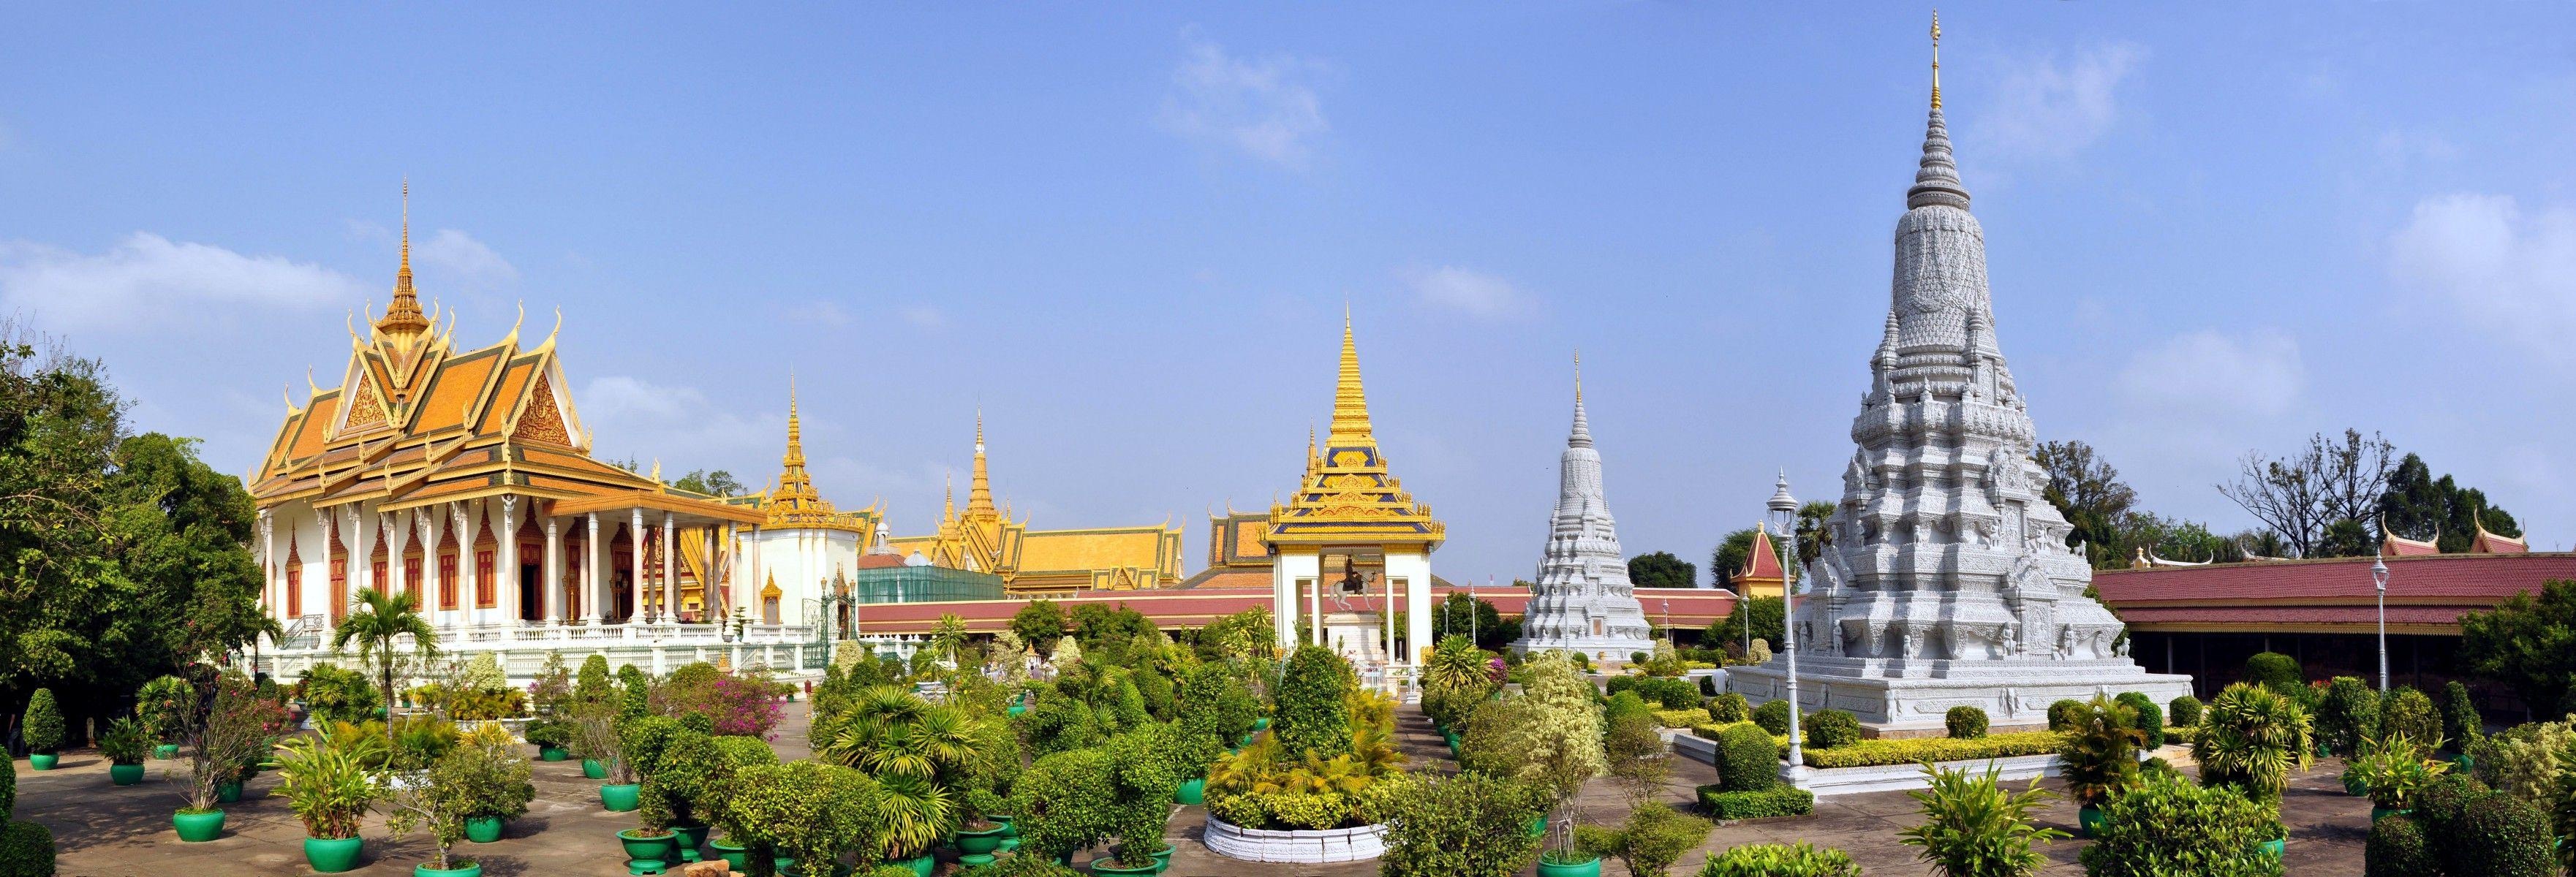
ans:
(2500, 836)
(1965, 722)
(1747, 761)
(592, 685)
(1780, 860)
(1773, 716)
(26, 850)
(2150, 720)
(1779, 800)
(43, 727)
(2275, 671)
(1829, 729)
(2397, 849)
(1470, 823)
(1728, 708)
(1064, 803)
(2407, 711)
(2061, 715)
(2167, 826)
(2460, 720)
(1312, 713)
(2349, 715)
(637, 691)
(2184, 712)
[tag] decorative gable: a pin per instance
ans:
(543, 420)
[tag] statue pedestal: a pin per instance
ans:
(1357, 636)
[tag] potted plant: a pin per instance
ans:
(42, 730)
(601, 757)
(2392, 770)
(979, 832)
(326, 779)
(2100, 757)
(166, 705)
(553, 738)
(437, 809)
(124, 744)
(2251, 738)
(1564, 857)
(492, 779)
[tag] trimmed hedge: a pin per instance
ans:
(1831, 729)
(2184, 711)
(2276, 671)
(2061, 715)
(1777, 801)
(1780, 860)
(1773, 716)
(1965, 722)
(1689, 718)
(2501, 836)
(2397, 849)
(1727, 708)
(2150, 719)
(1871, 753)
(1747, 760)
(1670, 693)
(26, 850)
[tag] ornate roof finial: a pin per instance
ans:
(1350, 400)
(949, 505)
(1936, 59)
(1936, 179)
(1581, 437)
(402, 318)
(979, 486)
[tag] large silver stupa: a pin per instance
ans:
(1582, 600)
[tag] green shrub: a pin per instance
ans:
(43, 728)
(637, 691)
(1728, 708)
(2150, 720)
(593, 685)
(2460, 721)
(2061, 715)
(1689, 718)
(1779, 860)
(2397, 849)
(124, 742)
(1773, 716)
(2526, 759)
(1746, 759)
(2349, 715)
(2253, 738)
(2501, 836)
(1313, 715)
(2275, 671)
(2168, 826)
(1015, 865)
(1216, 708)
(1653, 836)
(1063, 803)
(1972, 826)
(1467, 824)
(1965, 722)
(8, 787)
(1871, 753)
(2185, 711)
(337, 694)
(2443, 806)
(26, 850)
(166, 705)
(889, 870)
(1779, 800)
(1831, 729)
(2407, 711)
(1669, 693)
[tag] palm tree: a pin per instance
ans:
(379, 619)
(918, 751)
(264, 625)
(948, 634)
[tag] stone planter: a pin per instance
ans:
(125, 774)
(332, 855)
(166, 751)
(483, 829)
(1304, 847)
(43, 760)
(691, 837)
(590, 767)
(646, 855)
(621, 798)
(1588, 868)
(469, 869)
(1193, 791)
(198, 827)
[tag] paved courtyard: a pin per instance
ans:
(105, 831)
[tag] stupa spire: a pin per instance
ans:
(1582, 435)
(403, 319)
(1350, 400)
(1936, 178)
(979, 488)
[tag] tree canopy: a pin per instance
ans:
(717, 483)
(1662, 570)
(2528, 643)
(1727, 560)
(2421, 507)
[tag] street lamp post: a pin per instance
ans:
(2379, 580)
(1784, 512)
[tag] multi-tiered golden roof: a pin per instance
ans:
(1347, 496)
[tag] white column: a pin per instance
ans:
(590, 577)
(397, 540)
(425, 519)
(1290, 571)
(317, 586)
(635, 575)
(469, 580)
(362, 547)
(1415, 569)
(1315, 601)
(554, 571)
(509, 564)
(268, 577)
(670, 576)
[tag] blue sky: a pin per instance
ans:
(1127, 234)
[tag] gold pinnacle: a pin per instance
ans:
(1936, 59)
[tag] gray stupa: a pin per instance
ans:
(1947, 579)
(1582, 600)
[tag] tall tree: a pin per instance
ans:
(1811, 528)
(2088, 492)
(718, 483)
(2420, 506)
(2301, 495)
(1728, 560)
(2528, 643)
(1661, 570)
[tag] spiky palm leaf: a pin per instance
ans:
(381, 618)
(2101, 753)
(913, 813)
(2253, 737)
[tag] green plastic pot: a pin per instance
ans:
(198, 827)
(1247, 740)
(1191, 791)
(229, 793)
(1587, 868)
(1104, 869)
(43, 760)
(552, 753)
(1017, 709)
(332, 855)
(646, 855)
(2356, 787)
(2275, 847)
(621, 798)
(1010, 832)
(483, 829)
(590, 767)
(2376, 812)
(125, 774)
(691, 837)
(469, 869)
(166, 751)
(1261, 724)
(979, 842)
(2089, 821)
(921, 865)
(736, 858)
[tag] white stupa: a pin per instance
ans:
(1582, 600)
(1947, 580)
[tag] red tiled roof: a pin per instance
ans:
(2490, 543)
(2395, 545)
(879, 561)
(2429, 592)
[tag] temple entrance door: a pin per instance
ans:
(625, 587)
(532, 605)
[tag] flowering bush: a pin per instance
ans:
(166, 705)
(742, 707)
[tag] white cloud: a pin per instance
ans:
(1476, 293)
(458, 256)
(148, 279)
(2511, 273)
(1260, 106)
(2053, 107)
(633, 417)
(2214, 374)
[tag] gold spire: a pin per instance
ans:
(979, 488)
(948, 506)
(402, 318)
(1313, 460)
(795, 493)
(1936, 59)
(1578, 377)
(1350, 401)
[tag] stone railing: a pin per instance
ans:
(788, 650)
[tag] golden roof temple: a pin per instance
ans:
(984, 538)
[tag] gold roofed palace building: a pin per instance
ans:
(1035, 563)
(464, 477)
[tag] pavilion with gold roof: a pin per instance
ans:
(465, 477)
(985, 538)
(1352, 516)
